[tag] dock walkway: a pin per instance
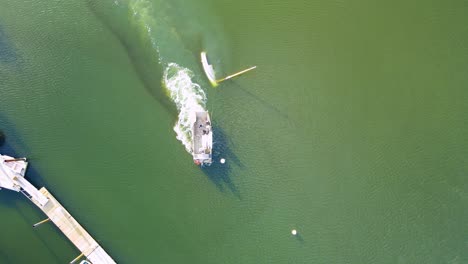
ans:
(12, 177)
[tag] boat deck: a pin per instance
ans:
(202, 137)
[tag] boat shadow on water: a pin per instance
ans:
(218, 173)
(141, 54)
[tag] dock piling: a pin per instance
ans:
(77, 258)
(41, 222)
(18, 159)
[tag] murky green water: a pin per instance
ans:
(353, 130)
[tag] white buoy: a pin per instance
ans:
(294, 232)
(222, 161)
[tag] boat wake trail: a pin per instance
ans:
(159, 43)
(188, 97)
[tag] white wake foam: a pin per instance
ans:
(189, 98)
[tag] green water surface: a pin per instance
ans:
(353, 130)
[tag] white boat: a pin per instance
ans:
(202, 139)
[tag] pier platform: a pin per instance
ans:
(12, 173)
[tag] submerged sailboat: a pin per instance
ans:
(210, 73)
(202, 139)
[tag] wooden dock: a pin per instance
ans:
(73, 230)
(12, 177)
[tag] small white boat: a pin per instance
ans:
(202, 139)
